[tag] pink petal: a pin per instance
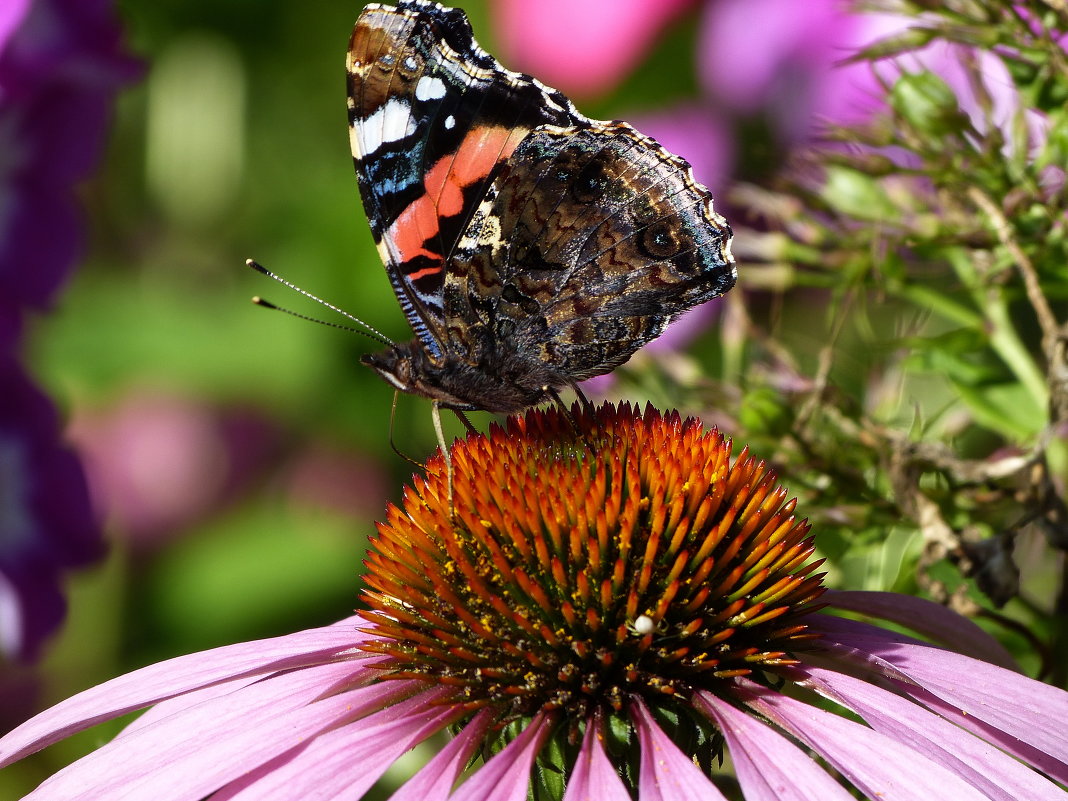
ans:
(192, 754)
(1031, 713)
(880, 767)
(176, 676)
(667, 774)
(604, 39)
(506, 776)
(982, 765)
(172, 706)
(345, 762)
(594, 777)
(927, 618)
(769, 767)
(436, 779)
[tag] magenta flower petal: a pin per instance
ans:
(234, 735)
(177, 676)
(1027, 711)
(785, 63)
(605, 39)
(982, 765)
(434, 782)
(667, 774)
(506, 776)
(769, 767)
(879, 766)
(173, 706)
(1051, 766)
(594, 776)
(345, 762)
(927, 618)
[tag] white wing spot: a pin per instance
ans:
(410, 64)
(429, 88)
(390, 123)
(450, 122)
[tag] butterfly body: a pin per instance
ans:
(529, 247)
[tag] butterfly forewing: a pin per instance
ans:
(432, 116)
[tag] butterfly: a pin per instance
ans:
(529, 246)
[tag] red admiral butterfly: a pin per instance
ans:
(529, 246)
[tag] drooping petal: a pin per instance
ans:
(345, 762)
(982, 765)
(506, 776)
(667, 774)
(1029, 715)
(594, 777)
(176, 676)
(927, 618)
(435, 780)
(769, 767)
(234, 735)
(178, 704)
(879, 766)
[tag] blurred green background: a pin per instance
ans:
(242, 455)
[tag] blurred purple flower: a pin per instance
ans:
(60, 66)
(46, 524)
(581, 48)
(635, 598)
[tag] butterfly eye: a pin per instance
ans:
(659, 240)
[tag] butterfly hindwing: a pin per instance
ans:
(588, 243)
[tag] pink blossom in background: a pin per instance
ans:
(156, 462)
(159, 463)
(782, 60)
(582, 48)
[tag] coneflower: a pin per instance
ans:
(609, 605)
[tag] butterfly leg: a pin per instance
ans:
(435, 415)
(392, 444)
(584, 402)
(568, 414)
(467, 423)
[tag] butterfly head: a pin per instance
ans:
(454, 382)
(409, 368)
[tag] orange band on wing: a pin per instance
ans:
(478, 154)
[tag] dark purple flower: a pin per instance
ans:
(46, 524)
(630, 603)
(60, 66)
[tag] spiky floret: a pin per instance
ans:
(589, 558)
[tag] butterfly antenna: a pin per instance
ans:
(369, 332)
(352, 329)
